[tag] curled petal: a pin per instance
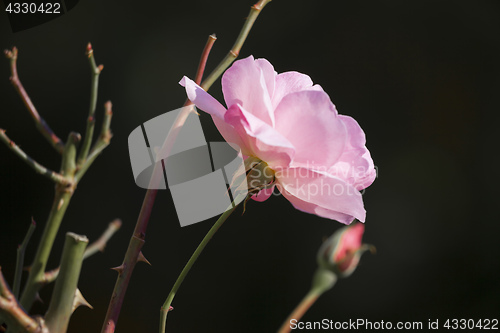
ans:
(321, 194)
(202, 99)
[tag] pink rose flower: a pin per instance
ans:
(318, 156)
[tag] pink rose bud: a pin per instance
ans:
(341, 252)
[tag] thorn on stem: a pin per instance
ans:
(119, 269)
(142, 258)
(80, 300)
(100, 68)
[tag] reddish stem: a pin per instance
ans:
(42, 126)
(137, 241)
(299, 311)
(204, 56)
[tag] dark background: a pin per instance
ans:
(421, 77)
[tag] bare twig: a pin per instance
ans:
(235, 50)
(67, 178)
(40, 123)
(13, 315)
(100, 244)
(87, 141)
(204, 56)
(52, 175)
(20, 259)
(101, 143)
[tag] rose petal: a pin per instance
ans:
(264, 141)
(321, 194)
(269, 74)
(290, 82)
(244, 83)
(202, 99)
(231, 136)
(355, 165)
(308, 119)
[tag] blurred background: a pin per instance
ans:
(422, 78)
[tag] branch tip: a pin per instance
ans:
(89, 49)
(117, 224)
(11, 54)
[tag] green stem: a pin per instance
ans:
(323, 280)
(52, 175)
(89, 132)
(61, 303)
(36, 278)
(235, 50)
(166, 306)
(20, 259)
(100, 144)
